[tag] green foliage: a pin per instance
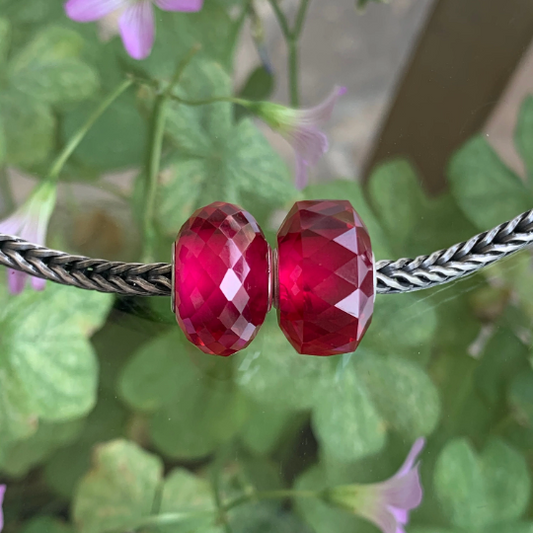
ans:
(480, 179)
(216, 159)
(120, 489)
(48, 365)
(193, 414)
(480, 490)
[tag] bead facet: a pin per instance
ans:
(326, 277)
(221, 278)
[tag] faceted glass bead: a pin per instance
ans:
(325, 277)
(221, 278)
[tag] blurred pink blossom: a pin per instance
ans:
(2, 492)
(302, 129)
(30, 222)
(136, 22)
(386, 504)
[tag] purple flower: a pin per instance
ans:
(30, 222)
(136, 22)
(2, 492)
(301, 128)
(386, 504)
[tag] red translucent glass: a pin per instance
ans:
(221, 278)
(326, 277)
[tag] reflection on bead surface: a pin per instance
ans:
(326, 277)
(221, 278)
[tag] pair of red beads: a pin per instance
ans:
(321, 279)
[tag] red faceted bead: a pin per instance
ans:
(221, 278)
(326, 277)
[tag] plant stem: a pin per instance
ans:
(300, 18)
(292, 37)
(154, 156)
(5, 190)
(293, 73)
(176, 518)
(282, 20)
(270, 495)
(74, 141)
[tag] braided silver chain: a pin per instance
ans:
(138, 279)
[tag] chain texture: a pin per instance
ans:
(155, 279)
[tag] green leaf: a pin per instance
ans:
(524, 134)
(49, 353)
(346, 422)
(504, 357)
(402, 393)
(120, 489)
(49, 68)
(397, 197)
(29, 129)
(521, 527)
(479, 179)
(193, 412)
(207, 414)
(520, 397)
(184, 492)
(45, 524)
(148, 382)
(258, 86)
(352, 191)
(5, 36)
(216, 159)
(267, 371)
(25, 454)
(403, 324)
(264, 429)
(121, 129)
(478, 490)
(106, 422)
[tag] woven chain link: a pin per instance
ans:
(138, 279)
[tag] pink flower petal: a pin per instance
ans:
(38, 284)
(137, 28)
(2, 492)
(403, 492)
(16, 281)
(91, 10)
(301, 173)
(322, 112)
(189, 6)
(417, 447)
(401, 515)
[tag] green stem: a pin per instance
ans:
(177, 518)
(293, 73)
(74, 141)
(270, 495)
(300, 18)
(208, 101)
(5, 190)
(292, 37)
(282, 20)
(154, 157)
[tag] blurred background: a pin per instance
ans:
(433, 143)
